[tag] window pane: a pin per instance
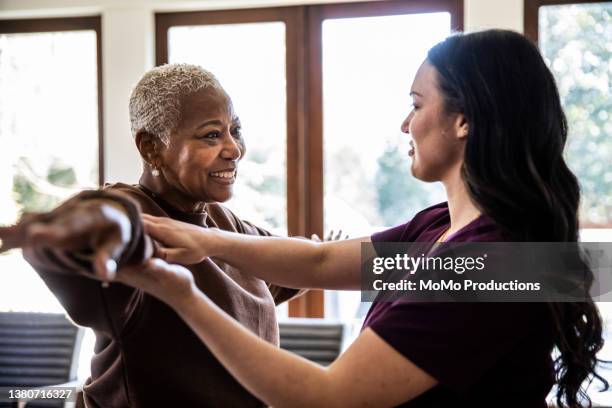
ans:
(249, 60)
(49, 138)
(570, 38)
(368, 68)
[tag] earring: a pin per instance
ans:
(155, 173)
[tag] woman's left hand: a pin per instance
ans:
(172, 284)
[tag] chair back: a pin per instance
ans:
(38, 349)
(316, 340)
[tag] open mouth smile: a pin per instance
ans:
(224, 176)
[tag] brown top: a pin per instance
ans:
(145, 355)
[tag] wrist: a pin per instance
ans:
(187, 304)
(213, 241)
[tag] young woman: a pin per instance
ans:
(487, 123)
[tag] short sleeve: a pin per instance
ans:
(456, 343)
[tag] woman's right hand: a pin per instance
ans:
(97, 227)
(183, 243)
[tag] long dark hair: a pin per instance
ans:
(515, 172)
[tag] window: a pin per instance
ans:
(569, 34)
(300, 171)
(50, 109)
(367, 74)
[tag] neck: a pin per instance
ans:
(173, 196)
(460, 206)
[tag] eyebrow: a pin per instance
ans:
(415, 93)
(210, 122)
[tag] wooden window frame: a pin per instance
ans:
(45, 25)
(305, 157)
(531, 9)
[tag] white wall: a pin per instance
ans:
(483, 14)
(128, 40)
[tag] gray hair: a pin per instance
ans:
(155, 103)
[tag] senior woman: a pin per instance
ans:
(190, 141)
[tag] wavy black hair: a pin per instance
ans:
(515, 172)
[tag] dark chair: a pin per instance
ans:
(316, 340)
(38, 350)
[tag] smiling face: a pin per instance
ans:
(438, 137)
(202, 157)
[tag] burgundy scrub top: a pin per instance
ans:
(482, 354)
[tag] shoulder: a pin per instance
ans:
(428, 220)
(127, 189)
(482, 229)
(223, 218)
(134, 194)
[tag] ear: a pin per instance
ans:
(461, 126)
(149, 147)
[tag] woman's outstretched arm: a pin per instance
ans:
(290, 262)
(370, 373)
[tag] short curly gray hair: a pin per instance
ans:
(155, 103)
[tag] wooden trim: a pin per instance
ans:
(315, 119)
(45, 25)
(531, 9)
(312, 304)
(164, 21)
(101, 144)
(530, 19)
(394, 7)
(297, 125)
(593, 225)
(162, 25)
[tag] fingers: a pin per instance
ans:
(155, 230)
(335, 236)
(331, 236)
(151, 219)
(160, 225)
(157, 250)
(104, 264)
(315, 238)
(175, 255)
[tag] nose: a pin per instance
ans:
(232, 148)
(406, 123)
